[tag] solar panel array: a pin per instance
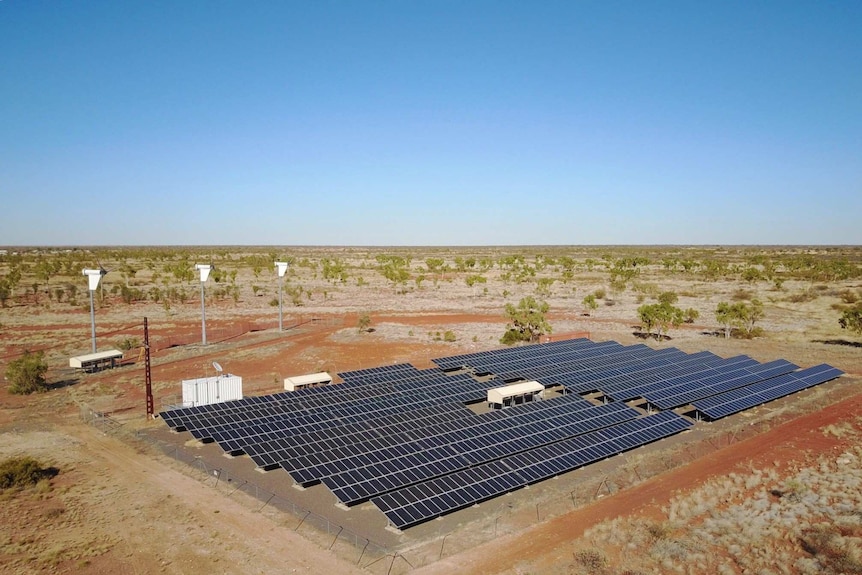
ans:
(412, 505)
(737, 400)
(403, 438)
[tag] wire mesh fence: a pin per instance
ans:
(498, 517)
(316, 528)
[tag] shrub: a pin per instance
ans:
(848, 296)
(274, 302)
(26, 374)
(803, 296)
(449, 337)
(600, 293)
(669, 297)
(20, 472)
(128, 343)
(742, 295)
(593, 560)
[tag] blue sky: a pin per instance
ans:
(430, 123)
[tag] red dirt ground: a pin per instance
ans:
(545, 546)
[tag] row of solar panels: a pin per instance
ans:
(417, 503)
(734, 401)
(399, 435)
(310, 401)
(458, 439)
(385, 371)
(402, 466)
(484, 360)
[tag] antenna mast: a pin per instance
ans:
(147, 374)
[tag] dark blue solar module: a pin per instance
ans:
(378, 472)
(685, 393)
(737, 400)
(415, 504)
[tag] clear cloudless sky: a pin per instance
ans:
(430, 122)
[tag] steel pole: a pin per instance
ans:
(148, 378)
(203, 316)
(92, 321)
(280, 290)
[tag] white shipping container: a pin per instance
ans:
(208, 390)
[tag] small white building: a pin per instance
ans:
(206, 390)
(298, 382)
(96, 361)
(515, 394)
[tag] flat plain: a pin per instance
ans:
(756, 492)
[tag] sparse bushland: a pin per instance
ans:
(808, 522)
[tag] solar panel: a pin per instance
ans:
(683, 394)
(415, 504)
(734, 401)
(419, 461)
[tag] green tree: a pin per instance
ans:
(434, 265)
(691, 314)
(661, 317)
(724, 315)
(852, 319)
(364, 322)
(590, 303)
(26, 374)
(394, 268)
(740, 316)
(5, 292)
(543, 286)
(474, 279)
(526, 321)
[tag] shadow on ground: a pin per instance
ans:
(838, 342)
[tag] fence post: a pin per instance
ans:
(265, 503)
(302, 520)
(340, 529)
(362, 553)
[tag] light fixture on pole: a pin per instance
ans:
(93, 279)
(205, 270)
(281, 269)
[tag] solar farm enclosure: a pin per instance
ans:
(404, 438)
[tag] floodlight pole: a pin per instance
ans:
(92, 322)
(93, 279)
(205, 273)
(280, 268)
